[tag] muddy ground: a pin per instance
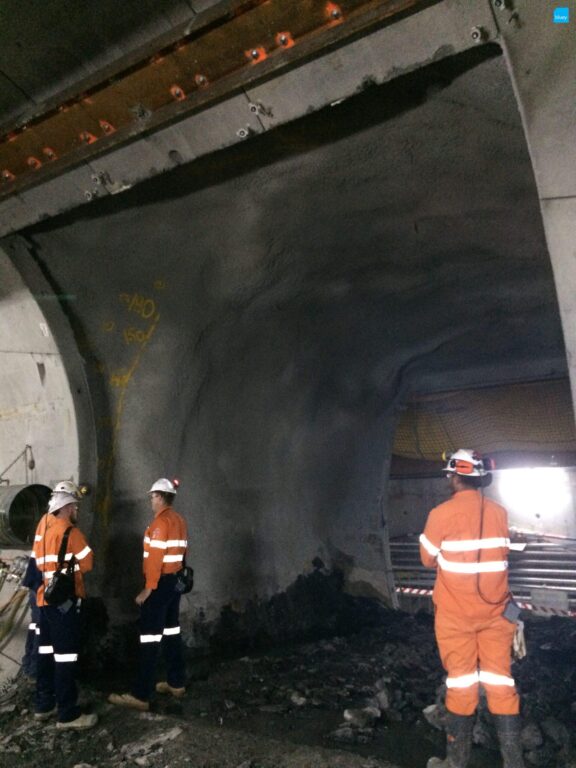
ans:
(351, 701)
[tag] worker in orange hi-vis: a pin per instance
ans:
(467, 540)
(165, 545)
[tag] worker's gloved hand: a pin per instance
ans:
(519, 642)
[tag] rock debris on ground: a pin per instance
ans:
(367, 700)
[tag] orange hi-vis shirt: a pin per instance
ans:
(47, 541)
(470, 555)
(165, 543)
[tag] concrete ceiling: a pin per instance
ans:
(410, 207)
(412, 201)
(46, 48)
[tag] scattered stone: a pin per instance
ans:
(344, 734)
(298, 700)
(150, 744)
(544, 756)
(365, 735)
(556, 731)
(531, 736)
(361, 718)
(435, 714)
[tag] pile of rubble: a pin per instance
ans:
(370, 699)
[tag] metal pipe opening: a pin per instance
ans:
(21, 507)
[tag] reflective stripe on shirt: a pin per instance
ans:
(474, 544)
(159, 544)
(492, 566)
(428, 546)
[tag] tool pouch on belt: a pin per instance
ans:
(512, 611)
(184, 578)
(61, 586)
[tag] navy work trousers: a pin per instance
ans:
(30, 658)
(160, 627)
(57, 661)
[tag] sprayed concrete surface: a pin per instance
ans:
(251, 322)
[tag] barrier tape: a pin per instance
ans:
(525, 606)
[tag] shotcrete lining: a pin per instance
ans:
(301, 283)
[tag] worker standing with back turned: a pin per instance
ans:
(467, 540)
(58, 536)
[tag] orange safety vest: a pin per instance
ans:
(470, 555)
(47, 541)
(165, 542)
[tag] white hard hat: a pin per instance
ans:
(59, 500)
(465, 462)
(67, 486)
(165, 486)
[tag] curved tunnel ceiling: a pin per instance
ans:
(252, 321)
(50, 48)
(409, 207)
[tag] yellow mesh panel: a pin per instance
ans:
(515, 417)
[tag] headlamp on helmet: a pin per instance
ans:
(67, 486)
(467, 462)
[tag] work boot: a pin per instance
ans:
(509, 728)
(79, 724)
(128, 701)
(458, 743)
(42, 716)
(165, 687)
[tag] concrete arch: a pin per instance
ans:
(45, 404)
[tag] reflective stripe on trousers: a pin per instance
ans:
(477, 651)
(57, 661)
(159, 628)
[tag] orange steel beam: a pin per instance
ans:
(226, 48)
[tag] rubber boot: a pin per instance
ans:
(508, 728)
(458, 743)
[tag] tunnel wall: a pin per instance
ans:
(251, 322)
(36, 405)
(191, 377)
(546, 93)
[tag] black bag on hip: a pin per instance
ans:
(184, 578)
(61, 586)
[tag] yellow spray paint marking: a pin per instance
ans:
(141, 305)
(136, 336)
(119, 380)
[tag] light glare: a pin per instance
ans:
(539, 492)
